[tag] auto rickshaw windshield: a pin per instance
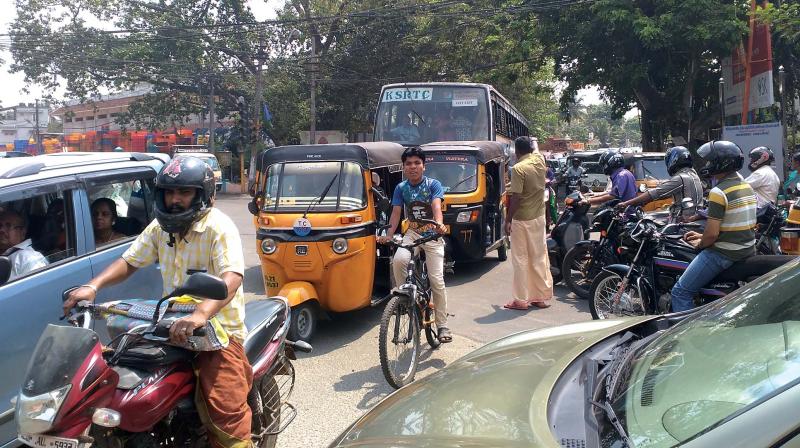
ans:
(457, 173)
(293, 186)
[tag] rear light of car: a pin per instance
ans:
(790, 241)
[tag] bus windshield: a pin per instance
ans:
(291, 187)
(415, 115)
(457, 173)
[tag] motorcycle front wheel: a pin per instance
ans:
(607, 303)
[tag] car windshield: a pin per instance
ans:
(653, 169)
(457, 173)
(212, 162)
(291, 187)
(415, 115)
(713, 365)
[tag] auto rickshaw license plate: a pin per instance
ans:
(301, 250)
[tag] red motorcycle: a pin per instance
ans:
(139, 391)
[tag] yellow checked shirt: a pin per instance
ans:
(212, 245)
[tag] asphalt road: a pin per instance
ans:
(342, 378)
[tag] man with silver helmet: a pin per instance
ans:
(190, 235)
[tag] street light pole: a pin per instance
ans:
(721, 106)
(784, 139)
(38, 135)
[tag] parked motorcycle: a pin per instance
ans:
(644, 286)
(585, 258)
(139, 391)
(569, 229)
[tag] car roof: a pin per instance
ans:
(24, 169)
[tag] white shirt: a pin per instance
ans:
(766, 185)
(24, 259)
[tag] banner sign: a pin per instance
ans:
(750, 136)
(733, 72)
(407, 94)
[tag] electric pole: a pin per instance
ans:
(38, 135)
(312, 135)
(211, 118)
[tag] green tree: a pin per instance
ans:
(652, 54)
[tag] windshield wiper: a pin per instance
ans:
(462, 181)
(322, 195)
(412, 104)
(605, 406)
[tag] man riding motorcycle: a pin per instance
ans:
(728, 236)
(574, 174)
(623, 182)
(763, 179)
(187, 236)
(683, 183)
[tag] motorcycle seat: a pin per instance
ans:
(752, 267)
(263, 318)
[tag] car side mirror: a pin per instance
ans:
(252, 207)
(5, 270)
(642, 188)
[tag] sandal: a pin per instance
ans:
(540, 305)
(445, 336)
(516, 305)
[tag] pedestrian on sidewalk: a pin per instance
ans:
(525, 224)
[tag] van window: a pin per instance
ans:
(36, 231)
(120, 210)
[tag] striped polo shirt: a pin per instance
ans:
(733, 202)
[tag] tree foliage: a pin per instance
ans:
(652, 54)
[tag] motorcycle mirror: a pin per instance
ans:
(376, 179)
(203, 285)
(5, 270)
(642, 188)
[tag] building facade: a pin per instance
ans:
(18, 123)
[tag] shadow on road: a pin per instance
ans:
(253, 282)
(468, 272)
(372, 382)
(343, 328)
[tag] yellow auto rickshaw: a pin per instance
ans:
(474, 176)
(317, 209)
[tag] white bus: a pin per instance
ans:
(423, 112)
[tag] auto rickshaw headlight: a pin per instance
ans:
(340, 245)
(268, 246)
(467, 216)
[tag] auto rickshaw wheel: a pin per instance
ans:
(304, 322)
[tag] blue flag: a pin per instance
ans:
(267, 115)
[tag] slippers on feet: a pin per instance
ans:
(540, 305)
(516, 305)
(445, 336)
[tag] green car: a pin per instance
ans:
(725, 375)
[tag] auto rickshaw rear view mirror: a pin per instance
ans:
(376, 179)
(252, 207)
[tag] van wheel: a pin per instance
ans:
(304, 322)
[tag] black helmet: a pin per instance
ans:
(760, 156)
(184, 172)
(611, 160)
(719, 156)
(677, 157)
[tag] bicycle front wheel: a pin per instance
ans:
(398, 341)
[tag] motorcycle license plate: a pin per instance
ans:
(41, 441)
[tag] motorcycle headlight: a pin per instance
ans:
(35, 415)
(268, 246)
(340, 245)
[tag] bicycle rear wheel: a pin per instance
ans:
(398, 341)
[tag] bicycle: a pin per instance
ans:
(409, 310)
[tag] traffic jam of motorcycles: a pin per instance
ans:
(717, 239)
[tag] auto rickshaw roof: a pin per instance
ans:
(366, 154)
(484, 151)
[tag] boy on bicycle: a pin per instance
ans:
(421, 197)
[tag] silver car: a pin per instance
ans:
(726, 375)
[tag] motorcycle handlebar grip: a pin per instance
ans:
(162, 330)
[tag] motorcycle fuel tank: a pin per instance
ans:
(154, 397)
